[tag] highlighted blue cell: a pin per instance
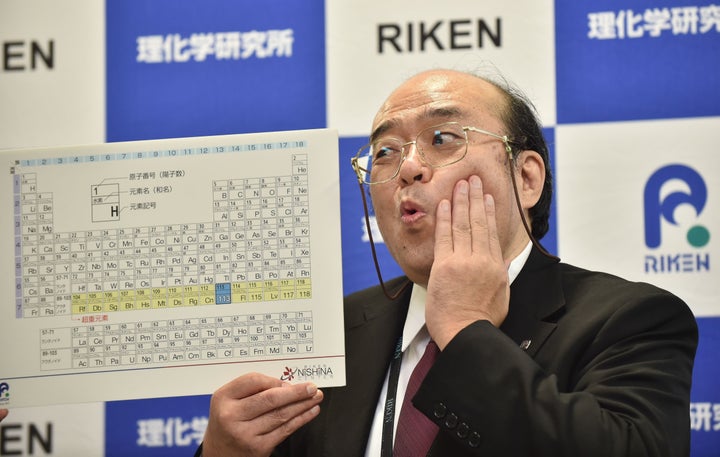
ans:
(222, 293)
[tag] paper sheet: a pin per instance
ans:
(168, 267)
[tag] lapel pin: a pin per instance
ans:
(525, 344)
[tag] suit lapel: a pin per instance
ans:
(536, 300)
(374, 324)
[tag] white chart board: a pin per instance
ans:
(168, 267)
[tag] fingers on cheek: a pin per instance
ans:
(443, 226)
(461, 195)
(444, 210)
(475, 184)
(489, 204)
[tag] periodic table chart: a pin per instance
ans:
(168, 267)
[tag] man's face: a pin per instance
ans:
(405, 207)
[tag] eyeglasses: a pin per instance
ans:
(438, 146)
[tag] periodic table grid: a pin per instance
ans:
(255, 249)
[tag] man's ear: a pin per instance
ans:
(530, 177)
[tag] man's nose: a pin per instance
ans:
(413, 167)
(411, 150)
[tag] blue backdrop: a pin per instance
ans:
(178, 68)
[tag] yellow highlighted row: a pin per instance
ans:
(175, 297)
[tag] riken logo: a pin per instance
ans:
(662, 200)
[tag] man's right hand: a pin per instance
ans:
(252, 414)
(3, 414)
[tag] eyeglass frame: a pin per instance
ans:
(359, 171)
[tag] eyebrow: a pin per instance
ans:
(443, 113)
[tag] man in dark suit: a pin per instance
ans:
(536, 357)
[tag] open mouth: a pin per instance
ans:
(410, 213)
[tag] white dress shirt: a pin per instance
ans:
(415, 338)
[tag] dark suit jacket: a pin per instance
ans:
(586, 364)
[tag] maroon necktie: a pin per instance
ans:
(415, 432)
